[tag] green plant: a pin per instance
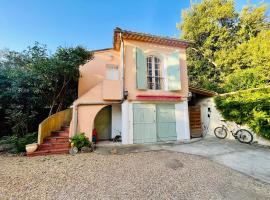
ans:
(17, 144)
(35, 83)
(80, 140)
(227, 41)
(248, 107)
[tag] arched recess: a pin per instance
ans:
(86, 116)
(103, 123)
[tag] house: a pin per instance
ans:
(138, 88)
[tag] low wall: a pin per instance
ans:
(53, 123)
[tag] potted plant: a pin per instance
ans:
(80, 142)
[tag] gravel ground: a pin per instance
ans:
(147, 175)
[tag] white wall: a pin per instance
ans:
(215, 120)
(182, 121)
(181, 115)
(127, 123)
(116, 119)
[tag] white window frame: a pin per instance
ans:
(151, 66)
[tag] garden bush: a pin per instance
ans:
(17, 143)
(80, 140)
(248, 107)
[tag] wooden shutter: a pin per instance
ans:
(173, 72)
(141, 71)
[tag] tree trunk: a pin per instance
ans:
(51, 109)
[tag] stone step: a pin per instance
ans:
(56, 139)
(60, 145)
(61, 133)
(48, 152)
(65, 128)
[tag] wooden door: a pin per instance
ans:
(144, 123)
(166, 125)
(195, 121)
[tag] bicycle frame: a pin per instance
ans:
(229, 130)
(242, 135)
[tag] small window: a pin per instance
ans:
(154, 78)
(112, 72)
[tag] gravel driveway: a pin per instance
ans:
(146, 175)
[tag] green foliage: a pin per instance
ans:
(80, 140)
(35, 84)
(246, 78)
(231, 52)
(17, 143)
(225, 42)
(248, 107)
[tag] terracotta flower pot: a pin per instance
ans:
(30, 148)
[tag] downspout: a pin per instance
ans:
(122, 65)
(102, 102)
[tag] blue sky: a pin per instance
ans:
(85, 22)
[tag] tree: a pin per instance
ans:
(220, 35)
(58, 76)
(34, 83)
(249, 63)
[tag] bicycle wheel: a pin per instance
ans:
(220, 132)
(244, 136)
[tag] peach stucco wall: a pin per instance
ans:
(91, 89)
(86, 113)
(93, 72)
(151, 49)
(86, 118)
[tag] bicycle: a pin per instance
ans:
(242, 135)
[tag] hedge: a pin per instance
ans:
(247, 107)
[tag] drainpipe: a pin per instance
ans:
(102, 102)
(122, 64)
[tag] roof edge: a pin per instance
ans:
(202, 91)
(105, 49)
(146, 37)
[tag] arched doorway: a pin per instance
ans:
(102, 123)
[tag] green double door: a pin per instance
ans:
(153, 123)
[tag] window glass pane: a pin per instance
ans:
(150, 84)
(153, 73)
(157, 83)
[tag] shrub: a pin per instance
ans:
(17, 144)
(246, 78)
(248, 107)
(80, 140)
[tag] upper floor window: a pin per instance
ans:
(153, 73)
(112, 72)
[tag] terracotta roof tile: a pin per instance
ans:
(145, 37)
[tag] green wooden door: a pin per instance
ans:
(166, 125)
(144, 123)
(154, 123)
(102, 123)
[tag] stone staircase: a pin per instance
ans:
(57, 143)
